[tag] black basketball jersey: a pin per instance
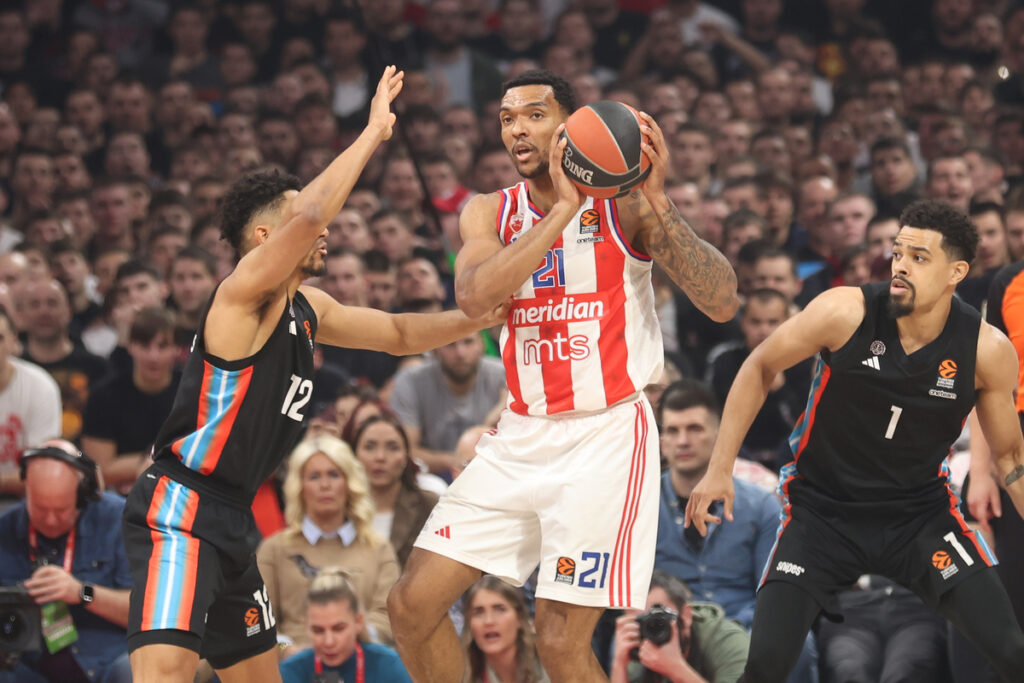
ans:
(879, 423)
(234, 421)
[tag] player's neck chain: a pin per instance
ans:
(1017, 473)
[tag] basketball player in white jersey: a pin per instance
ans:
(568, 480)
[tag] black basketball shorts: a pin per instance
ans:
(825, 548)
(195, 580)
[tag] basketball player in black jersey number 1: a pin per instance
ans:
(189, 532)
(901, 365)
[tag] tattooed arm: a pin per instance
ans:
(698, 268)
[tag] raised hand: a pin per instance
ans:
(388, 87)
(565, 190)
(657, 151)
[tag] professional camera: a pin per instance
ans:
(656, 624)
(20, 625)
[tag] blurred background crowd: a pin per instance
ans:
(798, 130)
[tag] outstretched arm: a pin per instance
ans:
(698, 268)
(827, 322)
(402, 334)
(488, 272)
(303, 217)
(997, 379)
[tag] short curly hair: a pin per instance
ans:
(562, 90)
(248, 196)
(959, 235)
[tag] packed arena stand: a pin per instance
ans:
(799, 130)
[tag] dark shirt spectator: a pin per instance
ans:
(125, 411)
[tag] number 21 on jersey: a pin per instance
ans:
(552, 272)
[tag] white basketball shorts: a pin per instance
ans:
(576, 495)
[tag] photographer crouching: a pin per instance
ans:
(677, 640)
(64, 600)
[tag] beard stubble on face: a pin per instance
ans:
(898, 309)
(312, 268)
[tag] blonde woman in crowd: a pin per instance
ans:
(498, 635)
(339, 651)
(329, 513)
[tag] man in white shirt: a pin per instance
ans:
(30, 407)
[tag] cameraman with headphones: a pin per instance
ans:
(677, 640)
(64, 545)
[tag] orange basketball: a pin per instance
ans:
(603, 156)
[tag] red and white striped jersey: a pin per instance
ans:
(582, 333)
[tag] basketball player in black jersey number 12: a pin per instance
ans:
(901, 365)
(189, 532)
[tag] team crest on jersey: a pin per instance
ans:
(516, 222)
(878, 347)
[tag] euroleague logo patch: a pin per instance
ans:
(947, 369)
(944, 563)
(252, 621)
(565, 570)
(590, 222)
(945, 380)
(941, 559)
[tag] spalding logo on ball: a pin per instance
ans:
(602, 155)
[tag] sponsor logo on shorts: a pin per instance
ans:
(565, 570)
(252, 622)
(444, 532)
(942, 561)
(789, 568)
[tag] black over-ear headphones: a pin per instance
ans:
(88, 486)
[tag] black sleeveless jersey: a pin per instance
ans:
(234, 421)
(879, 424)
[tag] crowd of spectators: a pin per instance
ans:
(798, 130)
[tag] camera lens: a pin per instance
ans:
(12, 626)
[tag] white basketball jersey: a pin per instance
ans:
(582, 333)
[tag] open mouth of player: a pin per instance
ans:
(898, 286)
(523, 152)
(492, 636)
